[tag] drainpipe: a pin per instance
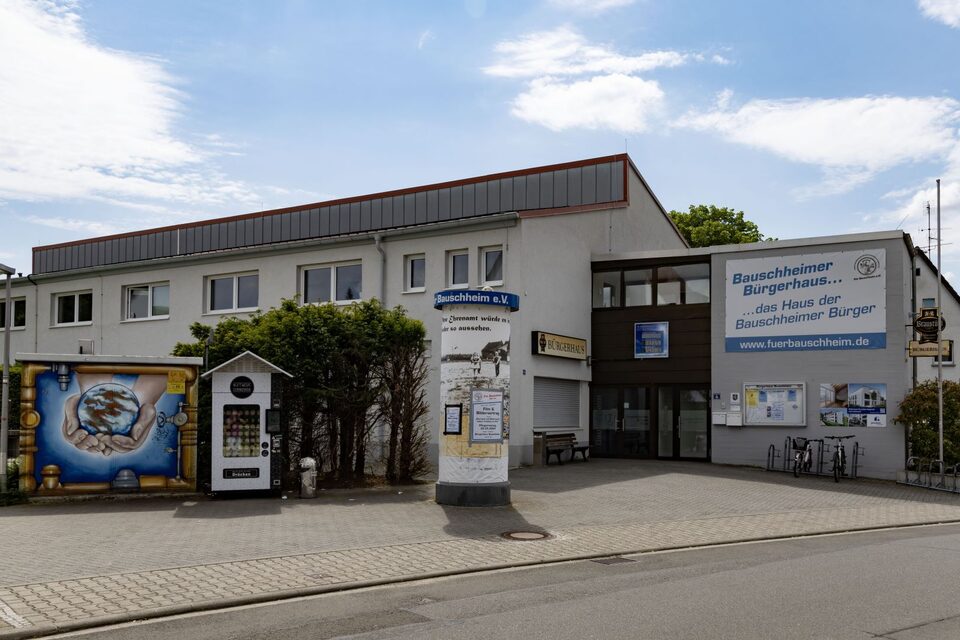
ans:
(378, 241)
(5, 393)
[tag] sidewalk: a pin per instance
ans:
(83, 564)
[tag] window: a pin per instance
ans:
(683, 284)
(333, 283)
(929, 302)
(606, 289)
(638, 287)
(415, 273)
(238, 292)
(73, 308)
(19, 313)
(458, 268)
(146, 301)
(491, 265)
(665, 285)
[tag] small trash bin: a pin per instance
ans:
(537, 449)
(308, 478)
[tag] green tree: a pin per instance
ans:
(403, 375)
(709, 225)
(918, 412)
(337, 356)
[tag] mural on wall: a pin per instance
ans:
(93, 428)
(853, 404)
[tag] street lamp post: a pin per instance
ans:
(5, 397)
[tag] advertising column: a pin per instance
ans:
(475, 391)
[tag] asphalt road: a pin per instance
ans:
(897, 584)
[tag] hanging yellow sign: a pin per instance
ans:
(176, 382)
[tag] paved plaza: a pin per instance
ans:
(75, 564)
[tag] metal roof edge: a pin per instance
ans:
(348, 200)
(289, 246)
(246, 354)
(74, 358)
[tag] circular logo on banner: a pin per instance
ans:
(241, 387)
(867, 264)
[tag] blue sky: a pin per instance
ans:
(812, 117)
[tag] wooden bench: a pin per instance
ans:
(556, 443)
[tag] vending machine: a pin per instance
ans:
(246, 429)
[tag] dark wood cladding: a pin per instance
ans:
(569, 187)
(612, 353)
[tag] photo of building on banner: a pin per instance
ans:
(821, 301)
(853, 404)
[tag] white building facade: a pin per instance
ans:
(530, 232)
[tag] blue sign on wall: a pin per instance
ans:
(475, 296)
(651, 340)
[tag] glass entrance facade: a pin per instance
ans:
(650, 421)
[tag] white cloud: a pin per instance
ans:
(590, 6)
(852, 138)
(945, 11)
(571, 82)
(619, 102)
(91, 227)
(425, 37)
(84, 121)
(563, 51)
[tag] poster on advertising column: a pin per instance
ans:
(814, 301)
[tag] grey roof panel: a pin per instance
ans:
(574, 187)
(589, 194)
(594, 181)
(469, 202)
(603, 183)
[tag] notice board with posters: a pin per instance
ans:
(775, 403)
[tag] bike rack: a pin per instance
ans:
(821, 454)
(930, 474)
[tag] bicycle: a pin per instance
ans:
(803, 455)
(839, 457)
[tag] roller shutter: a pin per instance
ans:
(556, 403)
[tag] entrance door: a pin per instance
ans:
(683, 422)
(666, 421)
(621, 422)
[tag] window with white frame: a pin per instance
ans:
(332, 283)
(458, 268)
(19, 313)
(73, 308)
(147, 301)
(491, 265)
(233, 292)
(929, 302)
(415, 272)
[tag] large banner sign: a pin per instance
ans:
(807, 302)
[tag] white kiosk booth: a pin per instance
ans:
(246, 436)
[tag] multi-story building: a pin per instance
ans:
(706, 354)
(532, 232)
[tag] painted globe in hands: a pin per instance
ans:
(109, 408)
